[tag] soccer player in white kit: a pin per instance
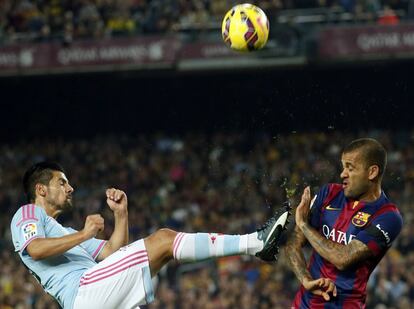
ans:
(83, 272)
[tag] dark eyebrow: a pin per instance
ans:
(347, 164)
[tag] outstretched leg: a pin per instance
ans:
(166, 244)
(159, 247)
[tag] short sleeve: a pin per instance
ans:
(381, 231)
(316, 205)
(93, 246)
(27, 225)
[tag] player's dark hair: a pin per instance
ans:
(40, 172)
(372, 151)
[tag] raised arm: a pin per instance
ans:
(118, 203)
(41, 248)
(340, 255)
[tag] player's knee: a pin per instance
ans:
(165, 235)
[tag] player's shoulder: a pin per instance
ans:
(28, 212)
(388, 214)
(325, 195)
(330, 191)
(330, 187)
(388, 220)
(389, 210)
(334, 188)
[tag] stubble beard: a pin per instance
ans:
(356, 193)
(67, 206)
(64, 207)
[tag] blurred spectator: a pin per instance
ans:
(120, 22)
(64, 20)
(388, 17)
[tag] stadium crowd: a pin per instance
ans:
(222, 182)
(66, 20)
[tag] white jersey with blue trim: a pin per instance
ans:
(59, 275)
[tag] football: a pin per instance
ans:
(245, 28)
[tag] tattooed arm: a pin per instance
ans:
(293, 251)
(295, 257)
(342, 256)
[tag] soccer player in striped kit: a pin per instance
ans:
(83, 272)
(350, 227)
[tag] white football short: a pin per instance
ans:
(121, 281)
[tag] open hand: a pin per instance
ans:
(303, 209)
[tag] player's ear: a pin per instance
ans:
(373, 172)
(40, 189)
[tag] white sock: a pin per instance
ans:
(202, 246)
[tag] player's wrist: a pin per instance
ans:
(301, 224)
(305, 281)
(121, 213)
(84, 235)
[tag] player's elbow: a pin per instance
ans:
(35, 251)
(289, 248)
(286, 251)
(341, 264)
(35, 255)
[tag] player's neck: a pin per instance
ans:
(371, 195)
(49, 209)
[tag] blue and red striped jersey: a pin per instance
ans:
(341, 219)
